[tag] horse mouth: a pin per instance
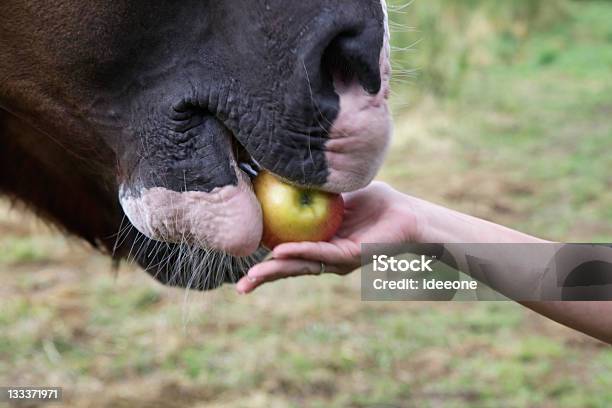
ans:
(204, 234)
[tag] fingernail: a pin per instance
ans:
(251, 279)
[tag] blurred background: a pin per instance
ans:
(502, 110)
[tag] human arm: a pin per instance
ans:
(380, 214)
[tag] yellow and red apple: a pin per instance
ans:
(296, 214)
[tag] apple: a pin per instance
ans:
(296, 214)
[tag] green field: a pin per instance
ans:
(509, 121)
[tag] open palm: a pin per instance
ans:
(373, 215)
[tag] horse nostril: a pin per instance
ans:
(354, 55)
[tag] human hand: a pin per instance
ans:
(376, 214)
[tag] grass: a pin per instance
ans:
(532, 132)
(522, 139)
(441, 41)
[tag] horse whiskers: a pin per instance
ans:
(186, 264)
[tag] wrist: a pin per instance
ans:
(411, 216)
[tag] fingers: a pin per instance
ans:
(337, 252)
(304, 258)
(276, 269)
